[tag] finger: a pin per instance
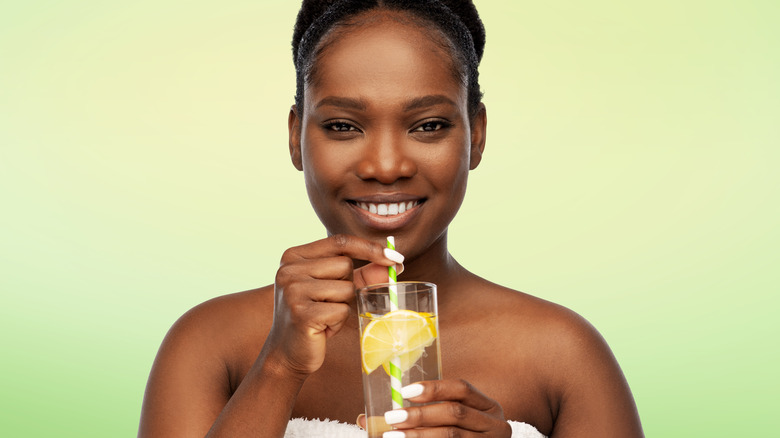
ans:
(361, 421)
(438, 432)
(371, 274)
(342, 244)
(448, 390)
(375, 423)
(452, 414)
(325, 318)
(333, 291)
(335, 267)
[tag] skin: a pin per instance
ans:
(383, 128)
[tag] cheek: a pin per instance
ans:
(448, 167)
(325, 169)
(321, 176)
(319, 166)
(452, 177)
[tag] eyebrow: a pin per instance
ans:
(428, 101)
(360, 104)
(342, 102)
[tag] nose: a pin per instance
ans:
(385, 159)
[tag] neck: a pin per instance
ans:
(437, 266)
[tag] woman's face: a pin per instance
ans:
(384, 138)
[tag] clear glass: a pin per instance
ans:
(423, 363)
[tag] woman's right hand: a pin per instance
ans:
(313, 288)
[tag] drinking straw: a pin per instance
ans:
(392, 277)
(395, 362)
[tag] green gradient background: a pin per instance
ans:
(630, 174)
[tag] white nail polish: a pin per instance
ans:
(412, 390)
(399, 268)
(394, 434)
(394, 255)
(396, 416)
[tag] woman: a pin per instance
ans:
(387, 124)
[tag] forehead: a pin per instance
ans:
(387, 57)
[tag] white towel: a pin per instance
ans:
(304, 428)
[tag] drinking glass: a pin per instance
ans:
(398, 338)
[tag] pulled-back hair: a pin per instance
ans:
(458, 21)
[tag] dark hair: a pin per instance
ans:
(457, 20)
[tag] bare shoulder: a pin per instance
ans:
(227, 316)
(565, 334)
(572, 362)
(533, 319)
(229, 330)
(201, 360)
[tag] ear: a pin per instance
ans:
(294, 136)
(478, 136)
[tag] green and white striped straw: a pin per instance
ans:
(395, 363)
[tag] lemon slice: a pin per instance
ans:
(401, 333)
(407, 360)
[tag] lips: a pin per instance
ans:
(386, 212)
(387, 208)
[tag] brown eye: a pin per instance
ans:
(432, 126)
(340, 127)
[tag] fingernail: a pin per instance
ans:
(411, 391)
(394, 255)
(394, 434)
(396, 416)
(357, 421)
(399, 268)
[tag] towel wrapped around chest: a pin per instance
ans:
(305, 428)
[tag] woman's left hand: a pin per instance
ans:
(463, 411)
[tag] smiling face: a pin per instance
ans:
(384, 139)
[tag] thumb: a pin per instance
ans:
(361, 421)
(373, 274)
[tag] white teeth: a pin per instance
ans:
(387, 209)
